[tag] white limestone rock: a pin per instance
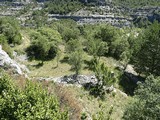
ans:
(7, 63)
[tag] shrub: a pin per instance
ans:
(147, 101)
(31, 102)
(10, 28)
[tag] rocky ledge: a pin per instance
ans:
(7, 63)
(78, 80)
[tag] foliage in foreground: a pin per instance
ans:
(147, 101)
(30, 103)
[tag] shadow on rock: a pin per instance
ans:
(128, 82)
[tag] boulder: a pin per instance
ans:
(130, 69)
(131, 73)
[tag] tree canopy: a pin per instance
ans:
(75, 53)
(44, 44)
(147, 59)
(10, 28)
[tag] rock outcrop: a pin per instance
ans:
(131, 73)
(79, 80)
(7, 63)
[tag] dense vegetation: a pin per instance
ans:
(10, 28)
(146, 59)
(137, 3)
(63, 6)
(146, 105)
(9, 33)
(29, 101)
(103, 41)
(44, 44)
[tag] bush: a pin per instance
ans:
(5, 46)
(147, 101)
(31, 102)
(105, 78)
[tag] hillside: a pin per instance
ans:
(79, 60)
(84, 12)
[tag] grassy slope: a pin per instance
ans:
(77, 101)
(74, 97)
(81, 101)
(49, 68)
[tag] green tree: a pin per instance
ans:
(58, 56)
(146, 105)
(44, 45)
(97, 48)
(75, 53)
(39, 18)
(106, 34)
(67, 28)
(118, 47)
(146, 60)
(11, 29)
(39, 49)
(51, 34)
(76, 60)
(73, 45)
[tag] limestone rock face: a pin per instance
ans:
(7, 63)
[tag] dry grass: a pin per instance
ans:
(66, 98)
(93, 105)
